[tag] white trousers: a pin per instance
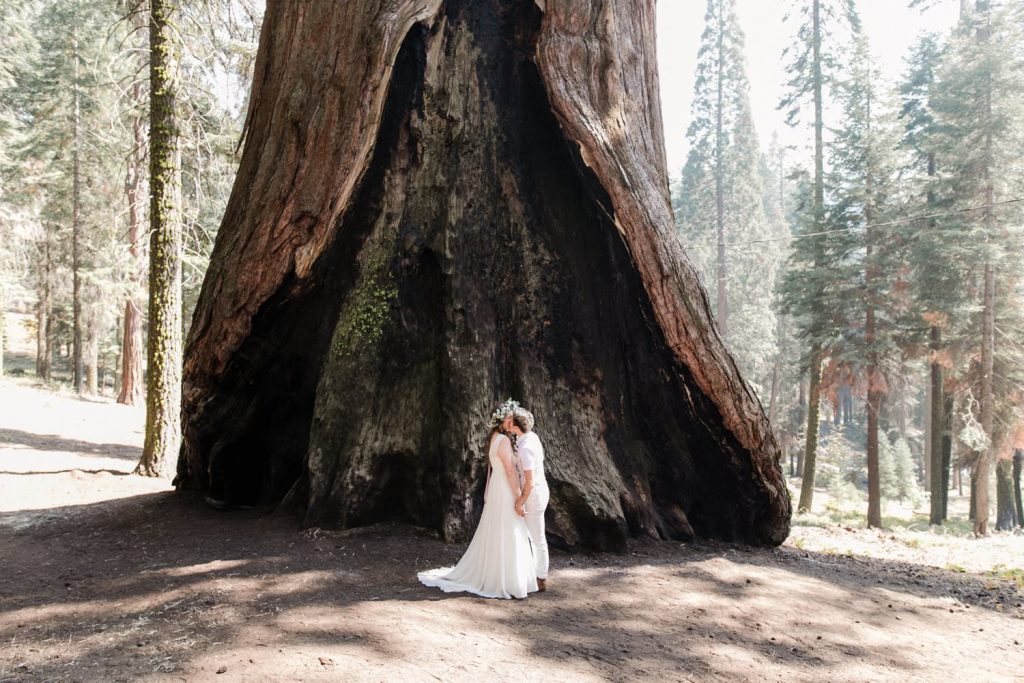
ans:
(536, 504)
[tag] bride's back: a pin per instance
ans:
(497, 466)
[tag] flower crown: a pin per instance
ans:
(505, 409)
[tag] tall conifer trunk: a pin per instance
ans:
(986, 457)
(937, 513)
(163, 379)
(134, 187)
(980, 480)
(44, 335)
(722, 293)
(77, 358)
(818, 207)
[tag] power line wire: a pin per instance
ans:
(913, 219)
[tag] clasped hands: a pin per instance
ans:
(519, 507)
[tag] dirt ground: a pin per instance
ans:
(111, 577)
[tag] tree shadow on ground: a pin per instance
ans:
(152, 583)
(53, 442)
(119, 473)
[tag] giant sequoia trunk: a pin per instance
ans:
(440, 205)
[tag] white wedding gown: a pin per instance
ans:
(499, 561)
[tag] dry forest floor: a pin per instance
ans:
(112, 577)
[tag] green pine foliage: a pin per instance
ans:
(723, 185)
(51, 50)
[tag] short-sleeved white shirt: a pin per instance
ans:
(531, 455)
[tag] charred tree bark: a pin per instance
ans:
(438, 206)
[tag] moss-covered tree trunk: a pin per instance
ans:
(440, 205)
(163, 350)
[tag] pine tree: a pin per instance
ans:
(135, 189)
(978, 111)
(814, 62)
(863, 172)
(721, 199)
(17, 48)
(937, 289)
(65, 99)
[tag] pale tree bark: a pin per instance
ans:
(722, 307)
(936, 402)
(135, 188)
(44, 304)
(163, 350)
(439, 205)
(90, 341)
(77, 359)
(986, 456)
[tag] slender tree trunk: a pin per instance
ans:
(1018, 462)
(131, 345)
(985, 457)
(801, 420)
(972, 513)
(873, 405)
(926, 461)
(722, 298)
(163, 378)
(91, 350)
(774, 395)
(44, 351)
(77, 361)
(1006, 512)
(814, 370)
(396, 153)
(811, 442)
(946, 444)
(988, 314)
(934, 434)
(874, 372)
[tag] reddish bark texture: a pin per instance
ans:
(394, 133)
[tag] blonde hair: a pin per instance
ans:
(523, 419)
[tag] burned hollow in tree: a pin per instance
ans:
(455, 203)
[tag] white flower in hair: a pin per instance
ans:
(504, 410)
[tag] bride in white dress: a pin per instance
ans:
(499, 560)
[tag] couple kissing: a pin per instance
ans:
(508, 556)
